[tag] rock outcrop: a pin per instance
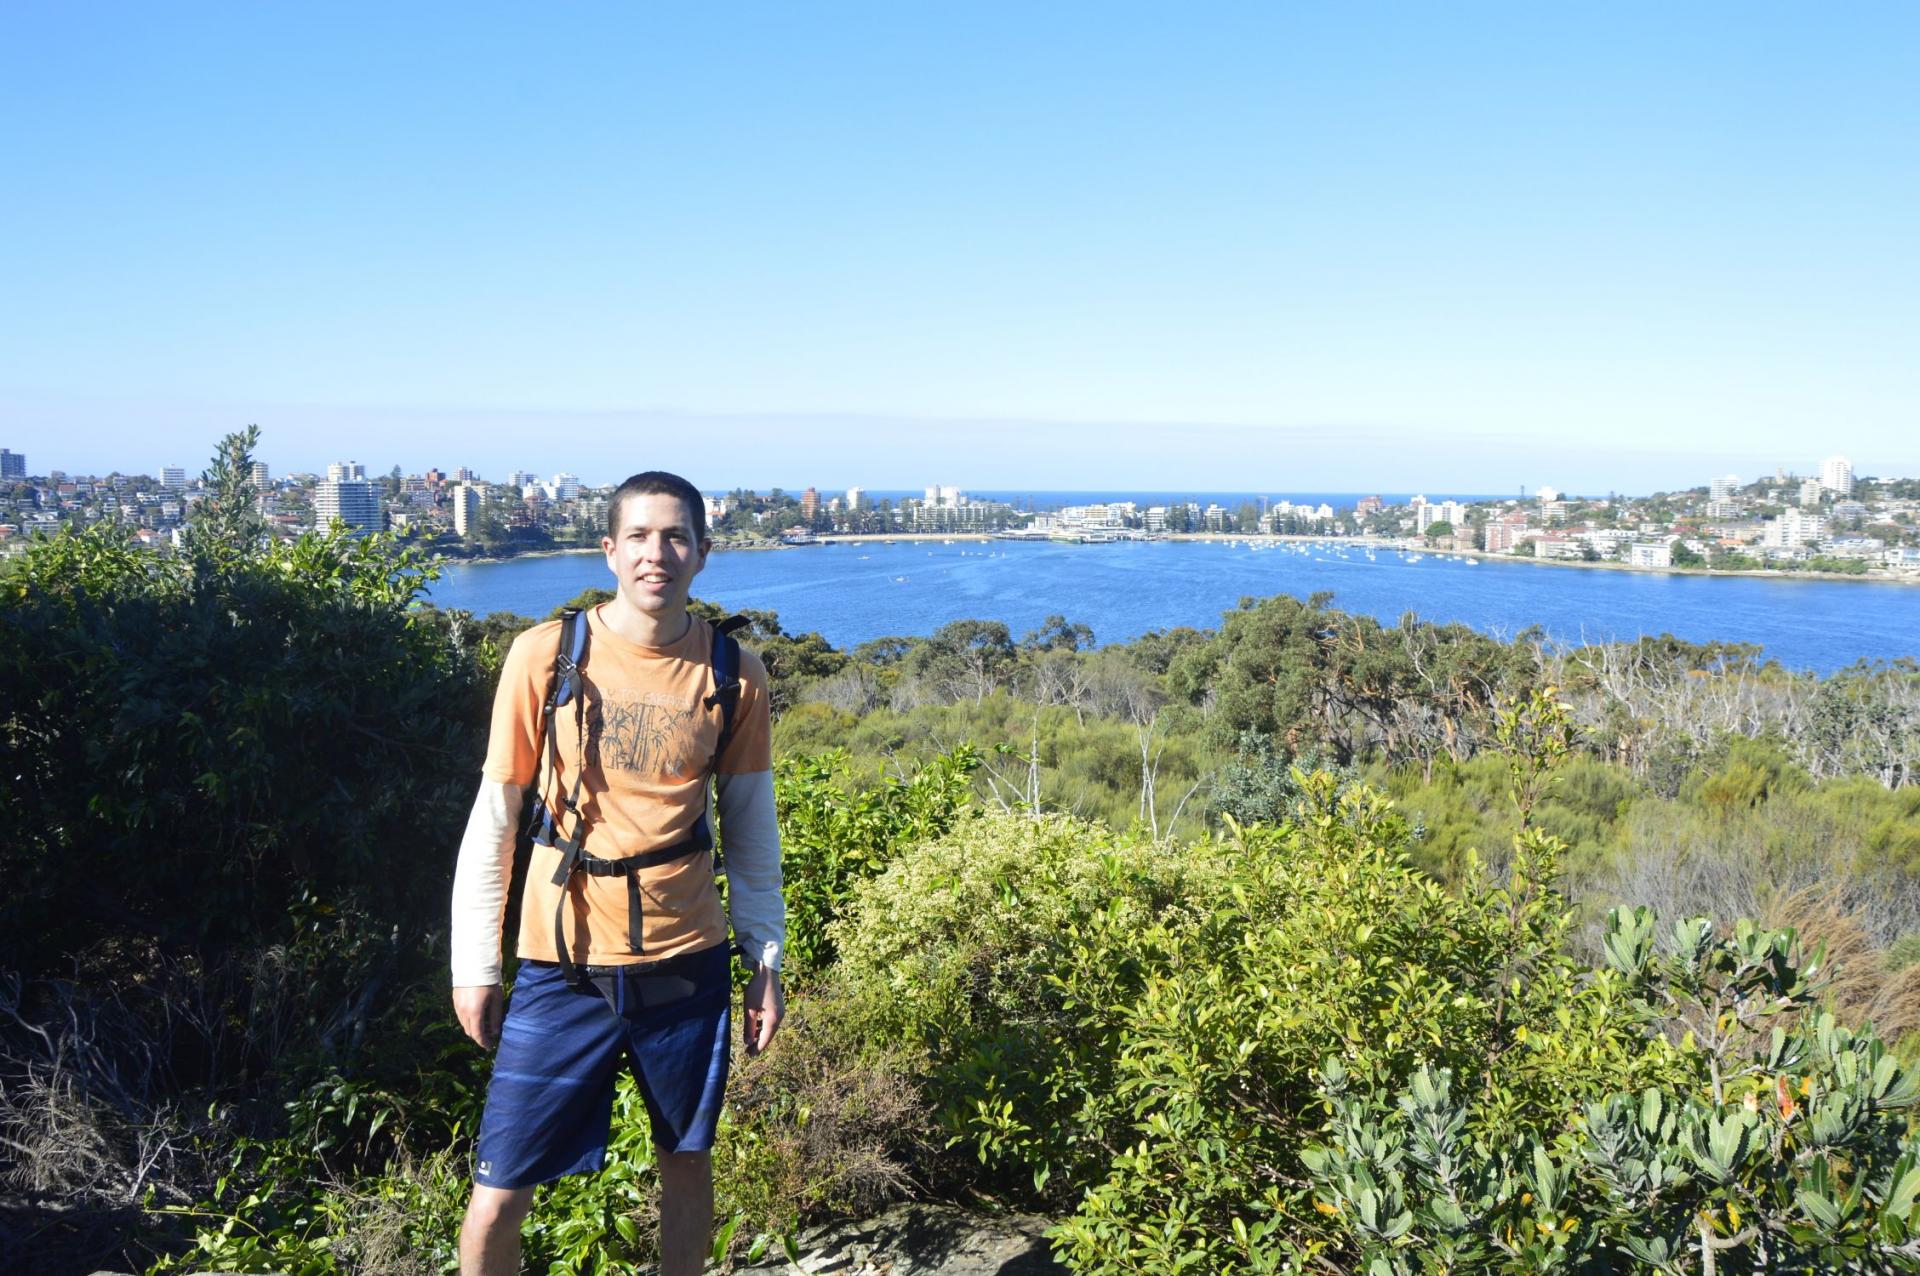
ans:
(922, 1240)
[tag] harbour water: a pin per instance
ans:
(851, 592)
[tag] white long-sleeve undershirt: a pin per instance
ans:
(750, 834)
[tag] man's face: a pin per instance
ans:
(655, 556)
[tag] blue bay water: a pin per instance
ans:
(851, 592)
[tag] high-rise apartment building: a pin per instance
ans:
(173, 478)
(1723, 488)
(12, 464)
(1836, 475)
(466, 509)
(1810, 492)
(566, 487)
(345, 494)
(810, 502)
(262, 476)
(1430, 512)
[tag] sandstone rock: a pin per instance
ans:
(922, 1240)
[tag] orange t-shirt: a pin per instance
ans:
(650, 740)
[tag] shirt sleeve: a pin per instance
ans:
(480, 881)
(750, 835)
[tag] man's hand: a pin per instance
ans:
(765, 1006)
(479, 1009)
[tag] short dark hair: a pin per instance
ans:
(652, 482)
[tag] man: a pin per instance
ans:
(618, 963)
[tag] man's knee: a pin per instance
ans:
(494, 1209)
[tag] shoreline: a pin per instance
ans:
(1877, 576)
(1873, 576)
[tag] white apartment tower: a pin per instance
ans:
(346, 495)
(856, 497)
(262, 476)
(173, 478)
(466, 509)
(1723, 488)
(1836, 475)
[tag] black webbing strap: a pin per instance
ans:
(575, 860)
(568, 685)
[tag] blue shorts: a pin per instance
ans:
(550, 1102)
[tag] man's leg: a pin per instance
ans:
(490, 1237)
(686, 1213)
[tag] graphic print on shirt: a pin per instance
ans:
(645, 732)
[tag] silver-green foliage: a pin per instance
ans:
(1786, 1146)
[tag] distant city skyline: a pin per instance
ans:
(1822, 472)
(991, 455)
(1066, 245)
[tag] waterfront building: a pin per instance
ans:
(1836, 475)
(466, 509)
(1793, 529)
(1505, 532)
(12, 464)
(346, 495)
(810, 503)
(1557, 545)
(1368, 505)
(1430, 512)
(1657, 554)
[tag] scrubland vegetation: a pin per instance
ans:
(1303, 944)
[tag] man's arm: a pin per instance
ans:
(480, 881)
(754, 891)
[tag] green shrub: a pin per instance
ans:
(834, 836)
(1004, 951)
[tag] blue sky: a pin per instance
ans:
(1341, 247)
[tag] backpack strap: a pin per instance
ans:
(726, 680)
(726, 696)
(567, 685)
